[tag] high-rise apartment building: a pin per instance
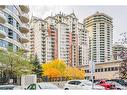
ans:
(83, 45)
(38, 36)
(52, 39)
(100, 28)
(64, 36)
(14, 27)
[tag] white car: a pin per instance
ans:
(39, 86)
(117, 85)
(7, 87)
(81, 85)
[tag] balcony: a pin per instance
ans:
(24, 8)
(2, 6)
(24, 18)
(2, 18)
(24, 28)
(2, 34)
(24, 39)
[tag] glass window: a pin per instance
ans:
(2, 43)
(116, 68)
(15, 36)
(10, 8)
(71, 82)
(109, 69)
(13, 9)
(112, 69)
(77, 82)
(32, 87)
(10, 46)
(10, 33)
(105, 69)
(1, 27)
(10, 19)
(98, 70)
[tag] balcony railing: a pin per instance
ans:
(24, 8)
(24, 18)
(24, 39)
(2, 18)
(24, 28)
(2, 33)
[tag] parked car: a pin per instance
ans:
(39, 86)
(81, 85)
(108, 86)
(117, 85)
(120, 81)
(94, 80)
(7, 87)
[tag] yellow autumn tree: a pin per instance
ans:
(69, 72)
(73, 72)
(57, 68)
(59, 65)
(52, 72)
(54, 68)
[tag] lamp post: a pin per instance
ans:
(92, 69)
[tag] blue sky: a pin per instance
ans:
(118, 13)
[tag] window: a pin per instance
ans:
(3, 43)
(98, 70)
(77, 82)
(109, 69)
(74, 82)
(116, 68)
(101, 69)
(10, 20)
(32, 87)
(10, 33)
(71, 82)
(112, 69)
(105, 69)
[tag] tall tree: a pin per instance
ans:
(14, 64)
(37, 67)
(123, 55)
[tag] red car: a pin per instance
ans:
(107, 86)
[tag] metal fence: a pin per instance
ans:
(54, 79)
(8, 80)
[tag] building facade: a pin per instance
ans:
(107, 70)
(83, 46)
(119, 51)
(65, 37)
(38, 35)
(100, 28)
(14, 27)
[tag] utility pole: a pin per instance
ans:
(92, 69)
